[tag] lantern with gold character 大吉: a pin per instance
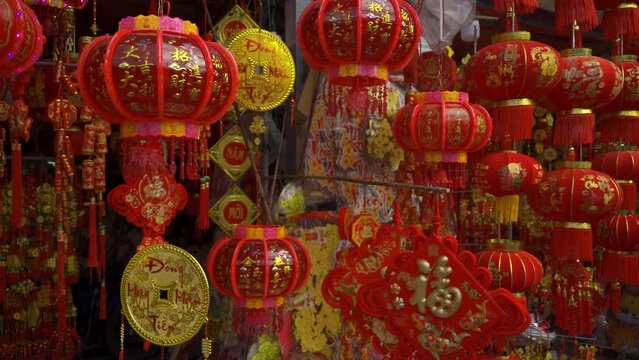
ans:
(358, 42)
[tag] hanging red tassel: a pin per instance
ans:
(572, 241)
(622, 20)
(103, 301)
(513, 118)
(60, 282)
(614, 294)
(629, 194)
(621, 127)
(3, 281)
(16, 185)
(620, 267)
(205, 194)
(574, 127)
(520, 6)
(93, 236)
(581, 11)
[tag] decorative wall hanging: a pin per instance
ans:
(232, 209)
(358, 45)
(230, 154)
(234, 22)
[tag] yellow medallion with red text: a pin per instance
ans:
(267, 69)
(234, 208)
(231, 154)
(165, 294)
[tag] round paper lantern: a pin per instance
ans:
(505, 174)
(259, 265)
(587, 82)
(441, 127)
(21, 39)
(620, 261)
(513, 269)
(157, 77)
(435, 72)
(511, 72)
(623, 165)
(620, 117)
(574, 197)
(358, 42)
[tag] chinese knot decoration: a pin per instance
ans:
(21, 39)
(358, 43)
(509, 73)
(258, 266)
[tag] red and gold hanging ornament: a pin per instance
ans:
(620, 117)
(506, 174)
(574, 198)
(258, 266)
(620, 19)
(623, 165)
(514, 269)
(358, 43)
(431, 71)
(510, 73)
(21, 39)
(587, 82)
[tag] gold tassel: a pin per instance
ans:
(507, 209)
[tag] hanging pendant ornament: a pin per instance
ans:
(267, 69)
(234, 208)
(231, 154)
(234, 22)
(165, 294)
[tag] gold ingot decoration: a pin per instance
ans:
(165, 294)
(234, 208)
(231, 154)
(234, 22)
(267, 69)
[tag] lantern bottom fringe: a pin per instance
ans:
(629, 195)
(514, 121)
(620, 21)
(520, 6)
(614, 297)
(565, 15)
(507, 209)
(620, 267)
(574, 129)
(572, 243)
(620, 128)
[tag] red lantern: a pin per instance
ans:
(258, 266)
(157, 77)
(513, 269)
(505, 174)
(574, 198)
(620, 261)
(587, 82)
(434, 72)
(358, 42)
(511, 72)
(21, 39)
(623, 165)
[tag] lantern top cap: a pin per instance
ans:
(576, 52)
(442, 96)
(510, 36)
(504, 244)
(154, 22)
(586, 165)
(624, 58)
(628, 5)
(260, 232)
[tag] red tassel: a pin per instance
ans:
(92, 261)
(622, 20)
(103, 301)
(572, 241)
(574, 127)
(620, 127)
(620, 267)
(61, 283)
(614, 294)
(102, 244)
(513, 118)
(147, 345)
(520, 6)
(16, 186)
(205, 194)
(629, 195)
(581, 11)
(3, 281)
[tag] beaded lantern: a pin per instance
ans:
(574, 197)
(509, 73)
(513, 268)
(620, 117)
(21, 39)
(587, 82)
(358, 43)
(258, 266)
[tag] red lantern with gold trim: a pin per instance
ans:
(513, 268)
(21, 39)
(623, 165)
(258, 266)
(587, 82)
(358, 43)
(575, 197)
(620, 261)
(509, 73)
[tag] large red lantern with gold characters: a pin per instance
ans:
(510, 73)
(358, 43)
(21, 39)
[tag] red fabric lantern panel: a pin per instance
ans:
(435, 72)
(21, 38)
(620, 237)
(587, 82)
(623, 165)
(513, 269)
(620, 117)
(258, 262)
(510, 72)
(154, 88)
(623, 233)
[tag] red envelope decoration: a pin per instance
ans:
(150, 202)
